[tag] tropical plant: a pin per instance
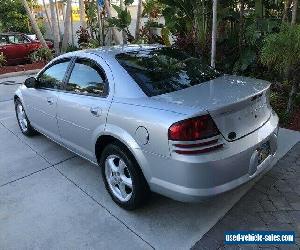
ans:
(123, 19)
(152, 9)
(71, 48)
(111, 31)
(282, 52)
(189, 21)
(83, 36)
(2, 59)
(41, 55)
(91, 13)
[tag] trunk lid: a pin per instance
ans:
(238, 105)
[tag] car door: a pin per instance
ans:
(3, 46)
(41, 102)
(29, 46)
(7, 49)
(17, 48)
(83, 107)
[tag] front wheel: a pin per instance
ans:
(123, 178)
(23, 121)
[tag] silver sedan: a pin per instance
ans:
(154, 119)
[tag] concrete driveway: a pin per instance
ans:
(52, 199)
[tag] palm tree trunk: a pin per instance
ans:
(214, 34)
(58, 22)
(138, 19)
(72, 28)
(292, 96)
(34, 25)
(99, 24)
(124, 35)
(47, 15)
(241, 32)
(108, 11)
(294, 13)
(82, 13)
(67, 26)
(54, 27)
(287, 5)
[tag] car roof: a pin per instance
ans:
(109, 52)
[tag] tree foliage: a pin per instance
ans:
(282, 50)
(13, 16)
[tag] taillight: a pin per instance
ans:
(193, 129)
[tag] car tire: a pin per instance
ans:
(23, 121)
(123, 177)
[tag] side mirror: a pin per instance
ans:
(30, 82)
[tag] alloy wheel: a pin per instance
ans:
(118, 178)
(22, 118)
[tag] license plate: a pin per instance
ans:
(263, 152)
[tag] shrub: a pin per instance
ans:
(281, 51)
(41, 55)
(71, 48)
(83, 36)
(2, 59)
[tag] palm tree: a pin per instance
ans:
(294, 13)
(287, 5)
(57, 17)
(108, 12)
(47, 15)
(100, 24)
(214, 34)
(67, 25)
(124, 34)
(54, 27)
(82, 13)
(138, 19)
(72, 28)
(34, 24)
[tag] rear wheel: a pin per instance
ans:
(122, 177)
(23, 121)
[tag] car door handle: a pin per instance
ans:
(96, 111)
(50, 100)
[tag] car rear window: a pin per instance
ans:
(164, 70)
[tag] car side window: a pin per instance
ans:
(87, 78)
(25, 39)
(11, 39)
(3, 40)
(53, 76)
(17, 39)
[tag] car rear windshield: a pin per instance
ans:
(163, 70)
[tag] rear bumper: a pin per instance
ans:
(194, 178)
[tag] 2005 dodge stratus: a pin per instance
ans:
(154, 119)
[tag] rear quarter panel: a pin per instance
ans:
(156, 122)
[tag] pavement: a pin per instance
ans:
(52, 199)
(273, 204)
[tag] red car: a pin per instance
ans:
(17, 47)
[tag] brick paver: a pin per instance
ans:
(272, 204)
